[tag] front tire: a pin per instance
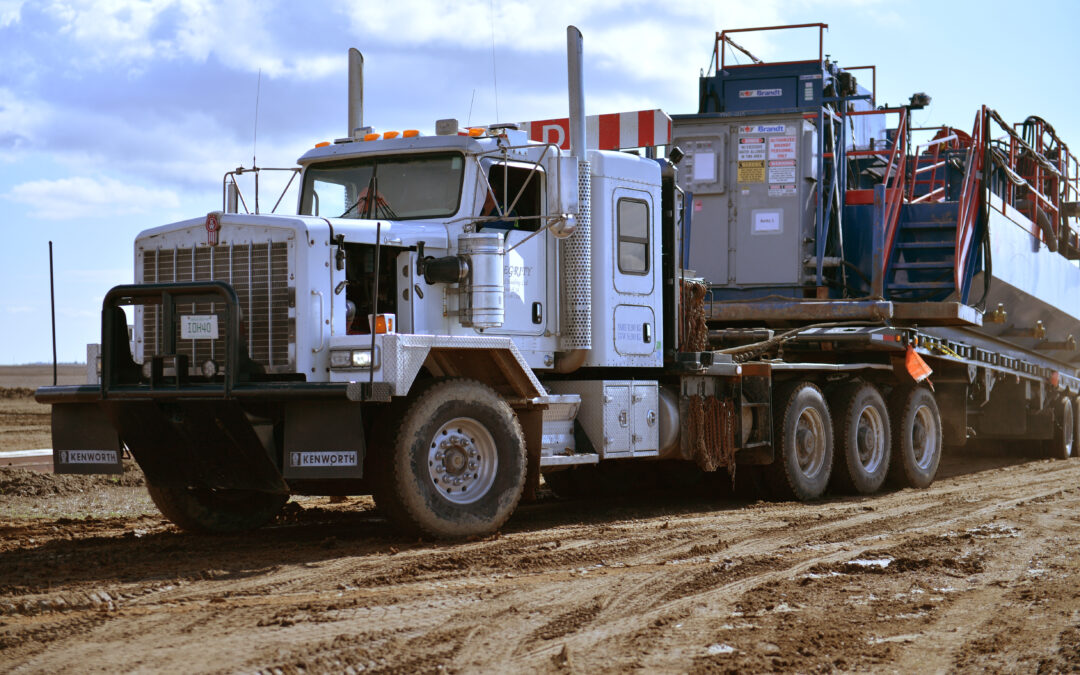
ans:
(863, 439)
(216, 511)
(803, 438)
(916, 443)
(458, 463)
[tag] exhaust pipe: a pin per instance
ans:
(576, 327)
(356, 91)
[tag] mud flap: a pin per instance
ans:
(324, 439)
(201, 443)
(84, 441)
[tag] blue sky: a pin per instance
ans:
(120, 115)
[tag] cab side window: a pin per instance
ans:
(633, 236)
(506, 182)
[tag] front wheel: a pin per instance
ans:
(457, 464)
(216, 511)
(916, 444)
(803, 439)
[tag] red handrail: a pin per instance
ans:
(894, 196)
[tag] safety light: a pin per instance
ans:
(322, 145)
(410, 133)
(372, 137)
(476, 132)
(390, 134)
(384, 323)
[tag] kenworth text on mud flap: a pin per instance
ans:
(799, 289)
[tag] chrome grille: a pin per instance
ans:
(259, 273)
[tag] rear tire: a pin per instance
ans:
(803, 443)
(216, 511)
(916, 442)
(863, 439)
(1063, 445)
(457, 466)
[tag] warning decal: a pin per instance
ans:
(751, 149)
(782, 147)
(781, 190)
(752, 172)
(782, 171)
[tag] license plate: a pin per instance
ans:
(199, 327)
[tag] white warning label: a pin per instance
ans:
(782, 171)
(751, 149)
(782, 147)
(781, 190)
(323, 458)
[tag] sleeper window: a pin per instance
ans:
(633, 236)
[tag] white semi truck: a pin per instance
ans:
(449, 317)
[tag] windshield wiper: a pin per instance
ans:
(373, 207)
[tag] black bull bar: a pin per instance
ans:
(182, 432)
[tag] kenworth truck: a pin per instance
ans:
(449, 318)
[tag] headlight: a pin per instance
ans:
(351, 358)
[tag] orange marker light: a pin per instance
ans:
(322, 145)
(372, 137)
(390, 134)
(410, 133)
(476, 132)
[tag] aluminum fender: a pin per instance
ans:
(495, 361)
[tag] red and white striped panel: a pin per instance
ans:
(617, 131)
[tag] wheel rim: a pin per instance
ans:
(462, 460)
(924, 437)
(810, 441)
(870, 439)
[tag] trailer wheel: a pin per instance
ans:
(457, 464)
(216, 511)
(1064, 444)
(863, 439)
(916, 442)
(804, 440)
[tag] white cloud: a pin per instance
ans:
(10, 11)
(83, 197)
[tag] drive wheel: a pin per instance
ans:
(216, 511)
(1064, 444)
(916, 443)
(863, 440)
(457, 464)
(802, 437)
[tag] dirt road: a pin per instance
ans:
(978, 572)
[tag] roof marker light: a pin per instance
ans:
(372, 137)
(322, 145)
(390, 134)
(476, 131)
(410, 133)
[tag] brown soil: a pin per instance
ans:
(977, 573)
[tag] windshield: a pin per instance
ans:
(403, 187)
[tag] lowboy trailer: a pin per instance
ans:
(790, 291)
